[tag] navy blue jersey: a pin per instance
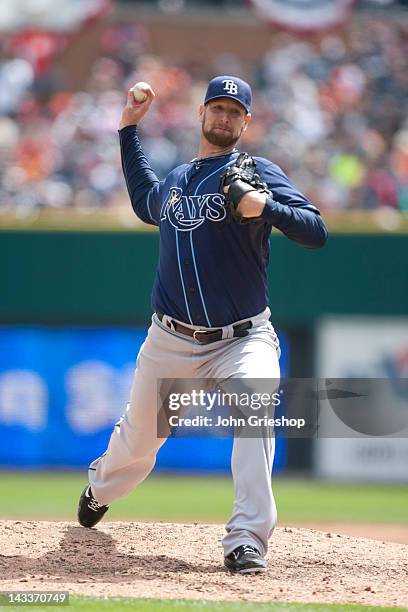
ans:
(212, 270)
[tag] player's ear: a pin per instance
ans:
(247, 119)
(201, 111)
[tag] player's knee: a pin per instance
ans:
(143, 448)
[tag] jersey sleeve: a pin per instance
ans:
(142, 183)
(290, 211)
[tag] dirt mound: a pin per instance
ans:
(185, 561)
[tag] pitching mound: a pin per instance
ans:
(185, 561)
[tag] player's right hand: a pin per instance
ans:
(134, 111)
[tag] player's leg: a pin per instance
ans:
(134, 442)
(254, 513)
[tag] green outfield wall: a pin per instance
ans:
(82, 277)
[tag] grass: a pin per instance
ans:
(54, 496)
(117, 604)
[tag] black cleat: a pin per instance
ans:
(245, 559)
(90, 511)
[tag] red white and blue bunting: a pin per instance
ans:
(303, 15)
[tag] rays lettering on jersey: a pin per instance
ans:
(187, 212)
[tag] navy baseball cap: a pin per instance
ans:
(230, 87)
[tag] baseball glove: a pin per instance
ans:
(241, 178)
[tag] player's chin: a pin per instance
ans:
(221, 138)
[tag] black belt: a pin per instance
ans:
(203, 336)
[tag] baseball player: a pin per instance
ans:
(210, 300)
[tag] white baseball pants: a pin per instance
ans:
(133, 445)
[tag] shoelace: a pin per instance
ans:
(93, 505)
(245, 548)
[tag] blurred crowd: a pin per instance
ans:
(333, 114)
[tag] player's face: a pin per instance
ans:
(223, 121)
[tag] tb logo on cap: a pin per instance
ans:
(230, 87)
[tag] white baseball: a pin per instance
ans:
(139, 92)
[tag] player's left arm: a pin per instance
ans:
(286, 209)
